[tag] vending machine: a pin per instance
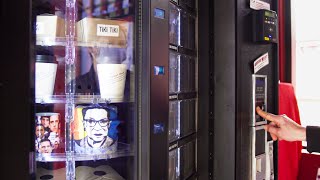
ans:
(85, 95)
(109, 89)
(135, 90)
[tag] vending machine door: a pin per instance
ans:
(85, 120)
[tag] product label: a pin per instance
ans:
(258, 4)
(261, 62)
(108, 30)
(40, 28)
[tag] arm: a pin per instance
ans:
(284, 128)
(313, 139)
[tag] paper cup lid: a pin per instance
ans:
(45, 59)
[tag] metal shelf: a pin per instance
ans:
(123, 150)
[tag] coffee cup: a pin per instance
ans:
(112, 78)
(46, 69)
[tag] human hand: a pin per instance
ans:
(282, 127)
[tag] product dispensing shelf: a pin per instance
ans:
(123, 150)
(80, 99)
(62, 42)
(51, 41)
(90, 32)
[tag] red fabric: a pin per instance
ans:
(289, 153)
(309, 165)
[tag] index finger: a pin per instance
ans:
(265, 115)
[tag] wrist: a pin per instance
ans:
(302, 134)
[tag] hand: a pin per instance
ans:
(282, 127)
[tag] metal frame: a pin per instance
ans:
(253, 122)
(154, 91)
(254, 174)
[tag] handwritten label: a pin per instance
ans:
(261, 62)
(108, 30)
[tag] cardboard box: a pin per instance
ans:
(102, 32)
(49, 27)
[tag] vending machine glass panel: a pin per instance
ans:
(85, 120)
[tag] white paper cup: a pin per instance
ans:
(112, 78)
(46, 69)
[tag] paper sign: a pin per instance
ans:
(261, 62)
(108, 30)
(258, 4)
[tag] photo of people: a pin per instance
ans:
(99, 133)
(47, 129)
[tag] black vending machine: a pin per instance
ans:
(101, 89)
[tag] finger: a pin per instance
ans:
(273, 124)
(274, 137)
(272, 130)
(267, 116)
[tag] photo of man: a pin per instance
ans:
(45, 146)
(40, 134)
(54, 123)
(39, 131)
(96, 123)
(45, 121)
